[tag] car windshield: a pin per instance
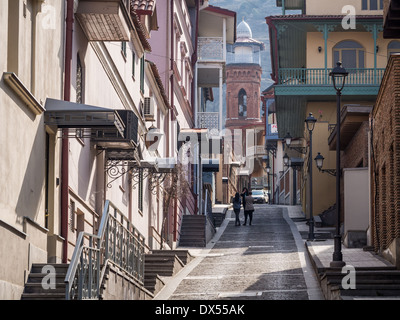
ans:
(258, 193)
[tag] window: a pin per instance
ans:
(133, 64)
(242, 103)
(393, 47)
(123, 48)
(372, 5)
(79, 80)
(79, 94)
(142, 75)
(350, 53)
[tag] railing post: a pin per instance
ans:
(90, 250)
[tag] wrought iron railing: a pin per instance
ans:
(117, 242)
(320, 76)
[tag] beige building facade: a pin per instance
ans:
(29, 201)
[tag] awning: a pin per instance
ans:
(64, 114)
(110, 129)
(210, 165)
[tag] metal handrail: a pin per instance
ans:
(117, 242)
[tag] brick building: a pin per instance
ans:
(385, 162)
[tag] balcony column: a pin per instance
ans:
(374, 29)
(224, 39)
(325, 29)
(196, 94)
(220, 98)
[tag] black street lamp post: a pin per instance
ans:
(310, 122)
(338, 75)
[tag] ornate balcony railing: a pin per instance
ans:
(208, 120)
(211, 49)
(256, 151)
(320, 76)
(117, 242)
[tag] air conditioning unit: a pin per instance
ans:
(148, 109)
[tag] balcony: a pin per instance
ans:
(208, 120)
(316, 81)
(105, 20)
(256, 151)
(211, 49)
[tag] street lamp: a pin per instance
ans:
(338, 75)
(288, 141)
(319, 161)
(310, 122)
(286, 160)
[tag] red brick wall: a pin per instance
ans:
(385, 160)
(356, 153)
(247, 77)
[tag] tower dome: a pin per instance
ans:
(243, 30)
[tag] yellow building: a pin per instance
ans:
(305, 48)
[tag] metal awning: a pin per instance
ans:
(110, 129)
(64, 114)
(210, 165)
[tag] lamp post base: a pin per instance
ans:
(311, 235)
(337, 259)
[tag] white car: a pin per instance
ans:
(258, 196)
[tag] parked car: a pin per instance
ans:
(258, 196)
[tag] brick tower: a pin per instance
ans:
(243, 80)
(243, 101)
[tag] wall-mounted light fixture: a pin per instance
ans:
(319, 49)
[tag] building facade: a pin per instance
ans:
(102, 91)
(304, 49)
(30, 200)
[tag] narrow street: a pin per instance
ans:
(264, 261)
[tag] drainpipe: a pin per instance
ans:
(194, 64)
(65, 145)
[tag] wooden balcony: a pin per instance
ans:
(105, 20)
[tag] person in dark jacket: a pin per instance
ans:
(244, 193)
(236, 208)
(249, 208)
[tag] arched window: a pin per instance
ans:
(242, 103)
(393, 47)
(350, 53)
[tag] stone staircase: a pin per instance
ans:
(370, 283)
(35, 290)
(163, 263)
(193, 231)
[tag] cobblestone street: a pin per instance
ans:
(264, 261)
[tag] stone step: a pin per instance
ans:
(41, 272)
(43, 296)
(183, 255)
(37, 287)
(59, 267)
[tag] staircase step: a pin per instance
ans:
(183, 255)
(43, 296)
(38, 288)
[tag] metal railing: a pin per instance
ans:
(320, 76)
(117, 242)
(211, 49)
(256, 151)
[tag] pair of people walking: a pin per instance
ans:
(248, 206)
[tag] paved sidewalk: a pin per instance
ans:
(321, 250)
